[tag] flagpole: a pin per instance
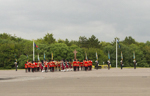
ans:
(116, 52)
(33, 50)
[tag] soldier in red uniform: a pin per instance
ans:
(77, 64)
(35, 66)
(52, 65)
(74, 65)
(81, 65)
(90, 65)
(29, 66)
(32, 66)
(86, 65)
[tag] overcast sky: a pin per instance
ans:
(106, 19)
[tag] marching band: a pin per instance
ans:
(63, 65)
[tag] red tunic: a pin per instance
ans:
(77, 64)
(81, 64)
(86, 64)
(74, 63)
(52, 64)
(90, 63)
(26, 66)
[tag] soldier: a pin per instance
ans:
(29, 66)
(16, 65)
(90, 64)
(108, 64)
(96, 64)
(81, 65)
(121, 63)
(74, 65)
(86, 65)
(134, 61)
(52, 65)
(63, 66)
(35, 66)
(77, 64)
(32, 66)
(41, 65)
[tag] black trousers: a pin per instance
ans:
(52, 69)
(32, 69)
(108, 66)
(16, 67)
(74, 68)
(28, 69)
(134, 66)
(121, 66)
(78, 68)
(86, 68)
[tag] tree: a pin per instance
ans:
(83, 42)
(129, 40)
(93, 42)
(49, 39)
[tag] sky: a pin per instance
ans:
(106, 19)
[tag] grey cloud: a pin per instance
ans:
(70, 19)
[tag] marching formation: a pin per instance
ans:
(63, 65)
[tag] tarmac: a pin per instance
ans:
(102, 82)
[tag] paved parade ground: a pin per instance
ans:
(102, 82)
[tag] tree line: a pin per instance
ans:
(13, 47)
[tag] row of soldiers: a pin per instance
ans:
(62, 65)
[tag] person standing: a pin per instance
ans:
(81, 65)
(52, 65)
(90, 65)
(121, 63)
(77, 64)
(86, 65)
(16, 65)
(74, 65)
(32, 66)
(108, 64)
(96, 64)
(134, 61)
(29, 66)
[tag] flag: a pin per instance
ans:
(44, 56)
(134, 55)
(51, 56)
(36, 46)
(38, 57)
(118, 43)
(15, 58)
(86, 56)
(121, 56)
(108, 55)
(96, 56)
